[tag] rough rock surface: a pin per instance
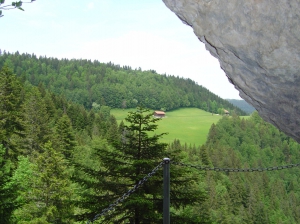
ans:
(257, 43)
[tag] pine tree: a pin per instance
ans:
(204, 156)
(143, 146)
(65, 138)
(48, 198)
(11, 117)
(91, 120)
(37, 121)
(113, 136)
(119, 169)
(50, 107)
(7, 196)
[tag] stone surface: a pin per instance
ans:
(257, 43)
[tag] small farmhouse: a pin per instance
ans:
(226, 112)
(159, 114)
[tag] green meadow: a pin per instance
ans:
(189, 125)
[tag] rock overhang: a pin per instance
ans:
(257, 43)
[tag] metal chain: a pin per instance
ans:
(127, 194)
(217, 169)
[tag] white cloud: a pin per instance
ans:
(91, 6)
(144, 50)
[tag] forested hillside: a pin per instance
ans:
(60, 163)
(63, 163)
(238, 195)
(93, 83)
(252, 197)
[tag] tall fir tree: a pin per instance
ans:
(48, 199)
(7, 195)
(116, 170)
(11, 117)
(37, 121)
(113, 136)
(65, 138)
(11, 130)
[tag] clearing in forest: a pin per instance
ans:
(189, 125)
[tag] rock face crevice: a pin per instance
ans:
(257, 43)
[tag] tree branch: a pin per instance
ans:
(14, 5)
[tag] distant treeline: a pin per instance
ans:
(242, 104)
(91, 83)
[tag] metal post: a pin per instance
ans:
(166, 210)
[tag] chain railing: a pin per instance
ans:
(201, 168)
(217, 169)
(127, 194)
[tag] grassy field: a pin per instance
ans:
(189, 125)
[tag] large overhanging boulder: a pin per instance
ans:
(257, 43)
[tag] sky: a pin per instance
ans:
(136, 33)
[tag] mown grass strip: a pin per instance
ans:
(189, 125)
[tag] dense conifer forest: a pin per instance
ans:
(64, 162)
(252, 197)
(91, 83)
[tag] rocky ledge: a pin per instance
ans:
(257, 43)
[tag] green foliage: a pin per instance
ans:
(65, 138)
(14, 5)
(104, 160)
(123, 167)
(37, 188)
(11, 117)
(49, 196)
(7, 196)
(37, 120)
(94, 84)
(111, 172)
(251, 197)
(20, 182)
